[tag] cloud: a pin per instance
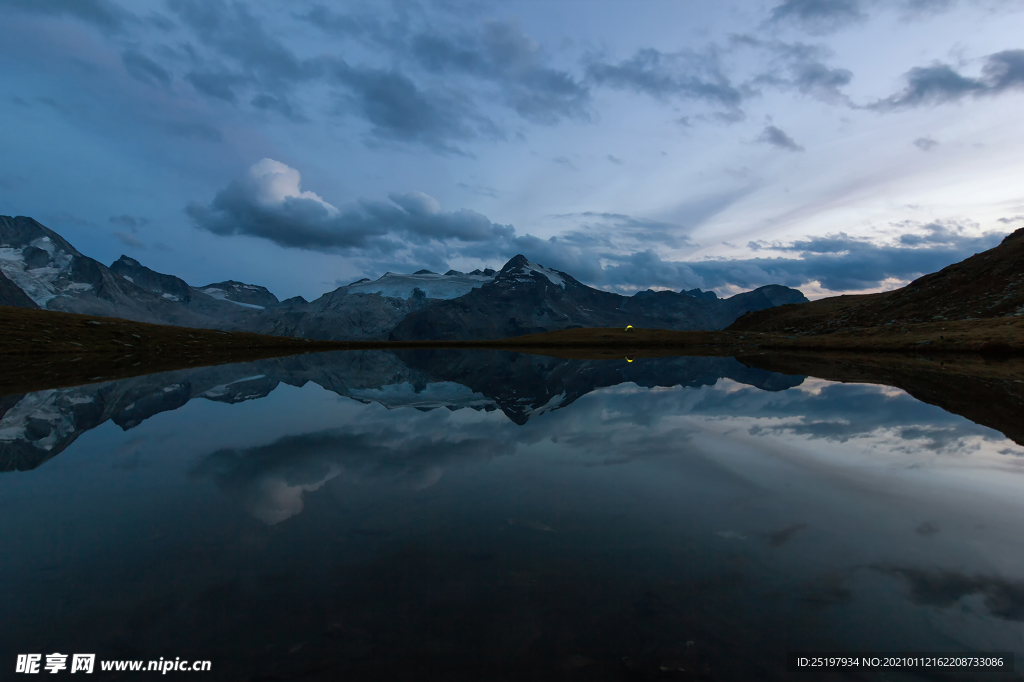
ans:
(398, 109)
(194, 129)
(131, 222)
(940, 83)
(844, 263)
(797, 66)
(234, 33)
(1002, 597)
(272, 479)
(645, 269)
(610, 250)
(258, 61)
(144, 69)
(218, 85)
(269, 203)
(128, 239)
(818, 16)
(683, 75)
(482, 190)
(447, 75)
(614, 159)
(101, 13)
(777, 137)
(501, 54)
(278, 104)
(618, 230)
(925, 144)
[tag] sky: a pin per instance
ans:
(837, 146)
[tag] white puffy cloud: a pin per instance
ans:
(274, 182)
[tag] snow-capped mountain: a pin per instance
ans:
(40, 268)
(450, 285)
(527, 298)
(241, 294)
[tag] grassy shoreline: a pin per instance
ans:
(47, 349)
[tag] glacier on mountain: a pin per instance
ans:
(431, 284)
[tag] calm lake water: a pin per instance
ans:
(493, 516)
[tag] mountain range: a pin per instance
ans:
(39, 268)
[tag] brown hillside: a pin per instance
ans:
(987, 285)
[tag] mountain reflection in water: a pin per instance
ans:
(669, 518)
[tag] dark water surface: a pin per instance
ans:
(492, 516)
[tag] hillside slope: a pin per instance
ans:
(12, 295)
(987, 285)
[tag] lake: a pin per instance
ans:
(478, 515)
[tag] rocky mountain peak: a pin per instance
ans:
(168, 287)
(517, 262)
(520, 270)
(240, 293)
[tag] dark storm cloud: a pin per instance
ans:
(305, 223)
(102, 13)
(1003, 598)
(143, 69)
(278, 104)
(643, 269)
(495, 63)
(682, 75)
(940, 83)
(818, 15)
(778, 138)
(234, 33)
(925, 144)
(500, 53)
(220, 85)
(841, 262)
(398, 109)
(838, 262)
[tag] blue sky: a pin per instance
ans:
(832, 145)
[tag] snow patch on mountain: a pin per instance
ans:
(431, 284)
(39, 283)
(222, 295)
(552, 275)
(439, 394)
(38, 418)
(521, 270)
(222, 389)
(553, 404)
